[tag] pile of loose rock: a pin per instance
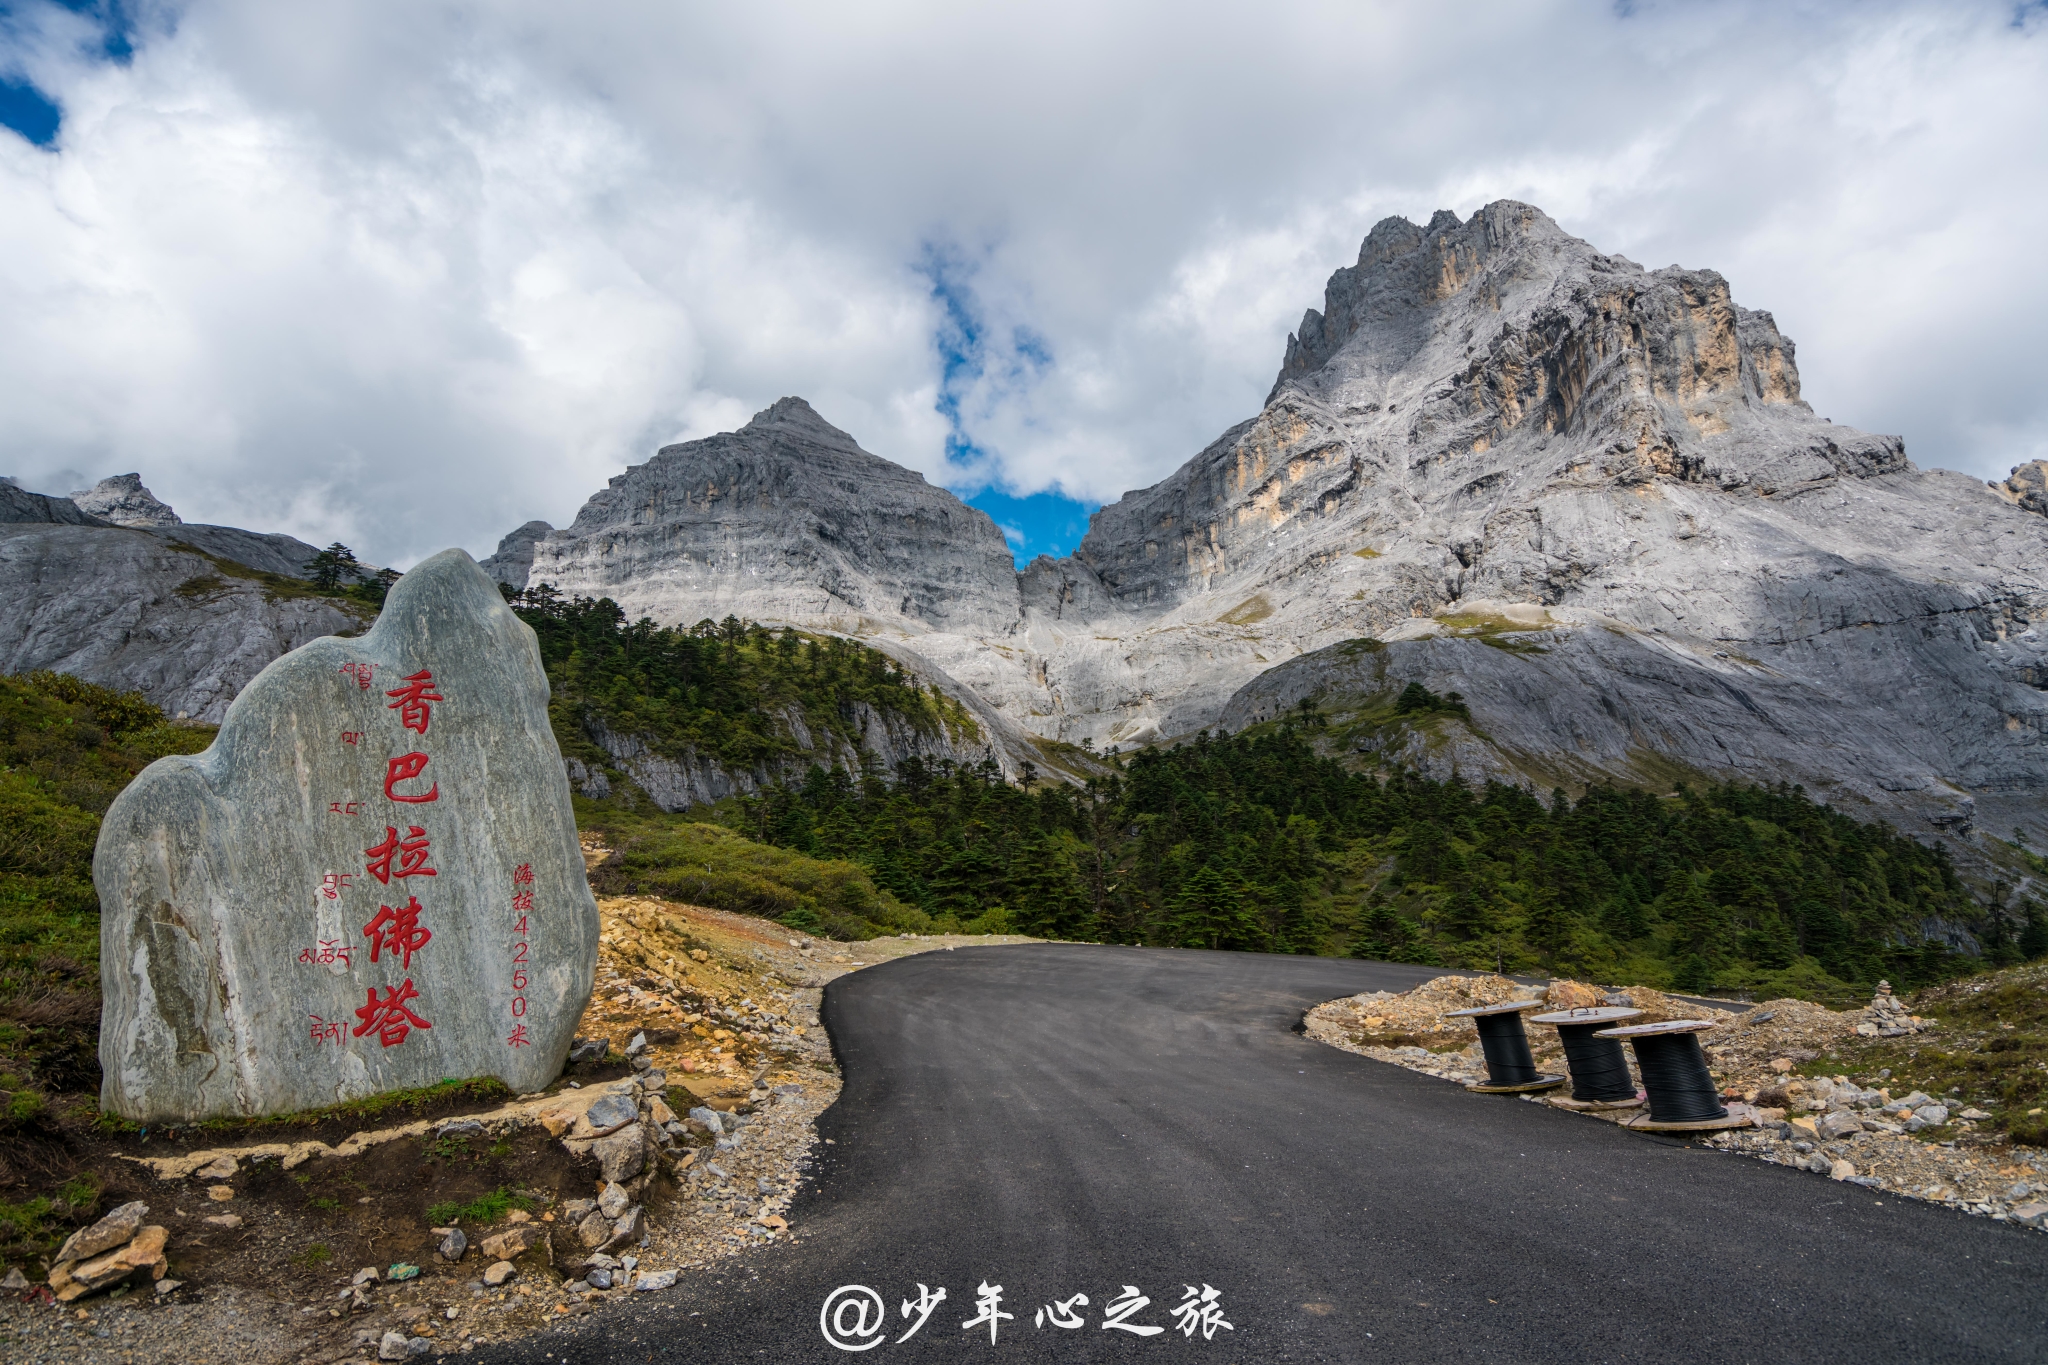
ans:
(1905, 1144)
(1889, 1017)
(119, 1249)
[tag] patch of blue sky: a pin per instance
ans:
(981, 363)
(29, 112)
(33, 113)
(1048, 523)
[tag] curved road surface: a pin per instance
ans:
(1060, 1119)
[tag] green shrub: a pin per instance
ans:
(710, 865)
(994, 920)
(488, 1208)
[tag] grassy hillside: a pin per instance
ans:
(67, 748)
(706, 864)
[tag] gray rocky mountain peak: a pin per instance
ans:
(513, 559)
(786, 519)
(123, 501)
(1487, 418)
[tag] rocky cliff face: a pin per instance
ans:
(1486, 417)
(513, 561)
(143, 606)
(128, 610)
(18, 505)
(786, 519)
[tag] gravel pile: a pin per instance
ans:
(1909, 1144)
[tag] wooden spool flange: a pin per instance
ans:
(1641, 1124)
(1596, 1106)
(1667, 1026)
(1603, 1014)
(1540, 1083)
(1505, 1007)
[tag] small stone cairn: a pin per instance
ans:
(1888, 1017)
(119, 1249)
(628, 1130)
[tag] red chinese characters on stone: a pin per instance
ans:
(389, 1018)
(351, 736)
(361, 673)
(397, 931)
(325, 1030)
(522, 906)
(344, 808)
(334, 883)
(404, 768)
(410, 852)
(414, 710)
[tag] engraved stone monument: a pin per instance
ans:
(370, 882)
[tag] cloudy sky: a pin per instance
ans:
(407, 273)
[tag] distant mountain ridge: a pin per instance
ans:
(1497, 461)
(1494, 447)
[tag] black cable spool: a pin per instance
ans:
(1506, 1045)
(1674, 1071)
(1598, 1066)
(1509, 1064)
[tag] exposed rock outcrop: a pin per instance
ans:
(2028, 486)
(132, 610)
(123, 501)
(1483, 411)
(110, 586)
(786, 519)
(513, 560)
(18, 506)
(266, 552)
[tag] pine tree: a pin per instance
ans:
(1049, 896)
(1699, 926)
(1210, 912)
(2034, 938)
(330, 566)
(1383, 936)
(1694, 976)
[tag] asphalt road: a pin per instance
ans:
(1062, 1120)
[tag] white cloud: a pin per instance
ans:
(404, 273)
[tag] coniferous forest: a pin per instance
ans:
(724, 690)
(1256, 841)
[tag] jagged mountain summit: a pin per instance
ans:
(1493, 448)
(123, 501)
